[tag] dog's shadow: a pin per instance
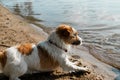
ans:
(46, 76)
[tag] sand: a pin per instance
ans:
(15, 30)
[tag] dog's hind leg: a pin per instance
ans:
(17, 72)
(12, 77)
(15, 69)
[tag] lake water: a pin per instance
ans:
(97, 20)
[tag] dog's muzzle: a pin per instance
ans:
(77, 42)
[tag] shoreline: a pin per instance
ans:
(15, 30)
(100, 55)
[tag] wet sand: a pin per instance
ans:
(15, 30)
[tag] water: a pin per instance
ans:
(98, 20)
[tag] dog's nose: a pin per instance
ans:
(78, 42)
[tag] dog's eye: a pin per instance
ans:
(75, 34)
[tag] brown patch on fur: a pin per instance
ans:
(25, 49)
(47, 62)
(3, 58)
(66, 33)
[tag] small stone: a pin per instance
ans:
(7, 19)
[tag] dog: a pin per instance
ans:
(45, 56)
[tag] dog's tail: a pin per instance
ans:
(3, 59)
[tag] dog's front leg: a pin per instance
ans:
(67, 65)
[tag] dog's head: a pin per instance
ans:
(69, 35)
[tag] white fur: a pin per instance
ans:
(18, 64)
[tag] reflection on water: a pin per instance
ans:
(97, 20)
(25, 9)
(82, 13)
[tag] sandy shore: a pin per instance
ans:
(15, 30)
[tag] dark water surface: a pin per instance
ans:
(97, 20)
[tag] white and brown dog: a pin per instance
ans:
(45, 56)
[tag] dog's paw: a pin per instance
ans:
(84, 69)
(73, 71)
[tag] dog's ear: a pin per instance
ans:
(63, 30)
